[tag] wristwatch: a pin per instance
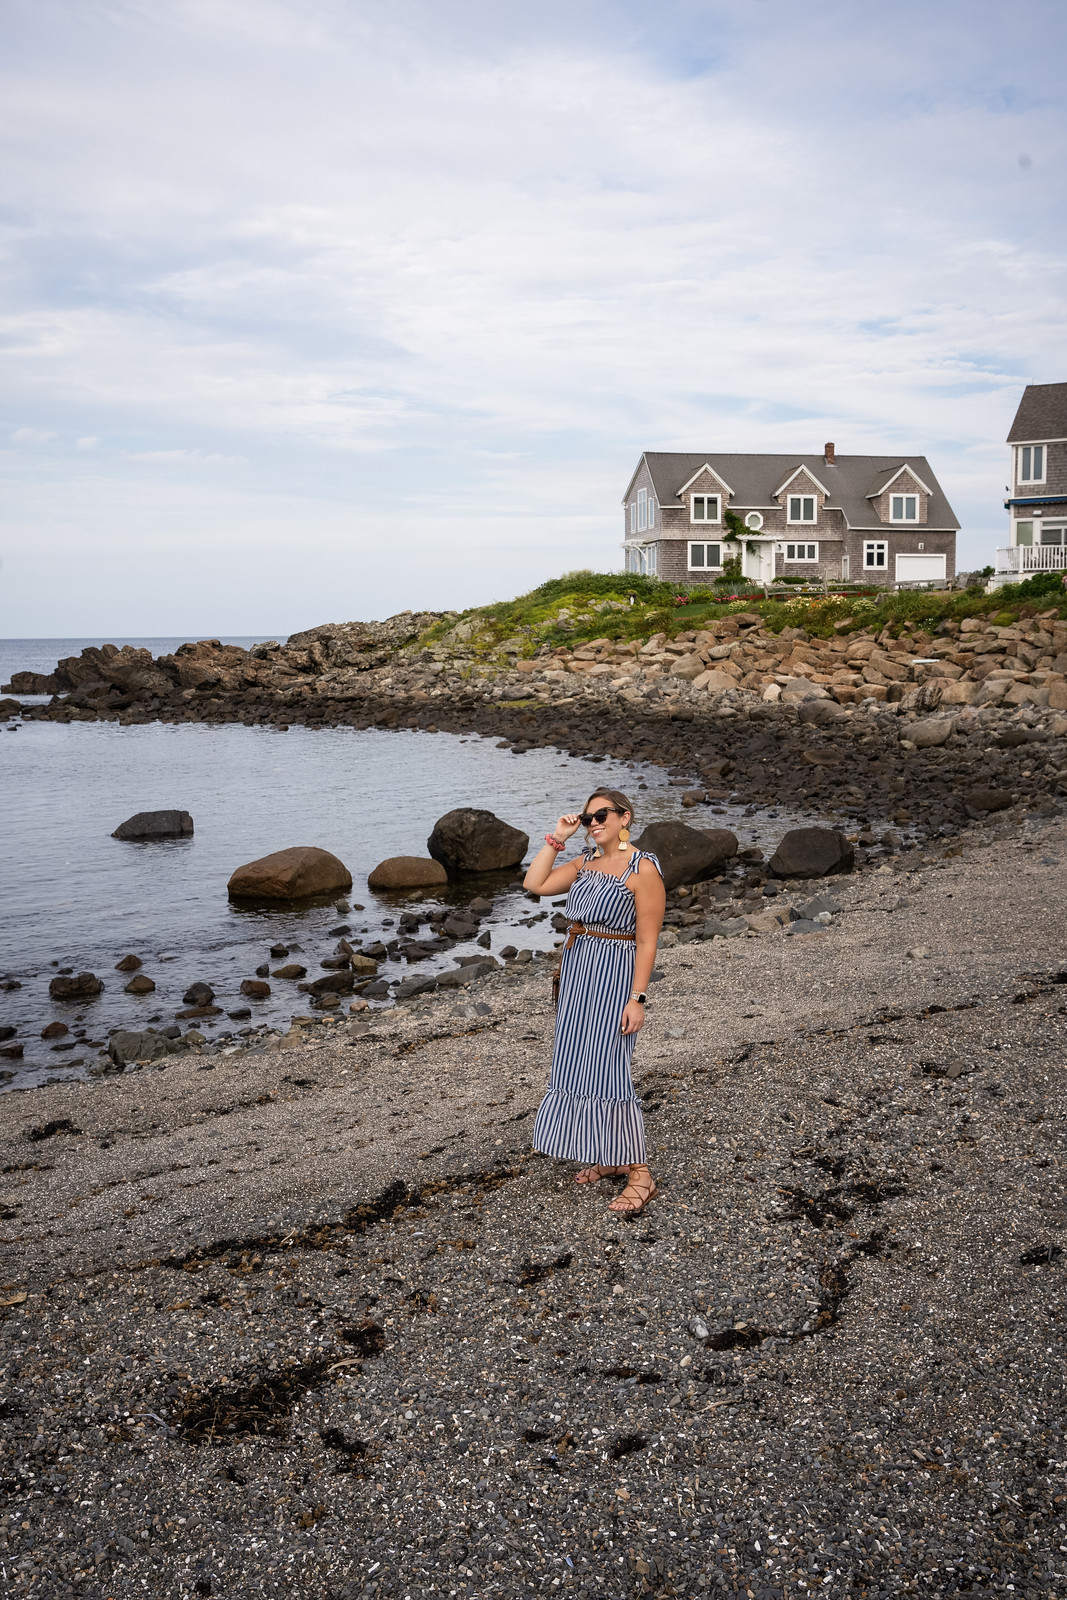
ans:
(642, 999)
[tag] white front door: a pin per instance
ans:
(758, 565)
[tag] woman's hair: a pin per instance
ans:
(616, 797)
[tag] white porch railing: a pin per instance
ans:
(1032, 558)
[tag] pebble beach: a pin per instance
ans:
(311, 1318)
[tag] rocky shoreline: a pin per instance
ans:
(744, 713)
(316, 1321)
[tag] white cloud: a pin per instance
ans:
(31, 436)
(183, 458)
(88, 442)
(436, 275)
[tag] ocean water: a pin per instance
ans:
(75, 897)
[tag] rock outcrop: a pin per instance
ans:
(294, 874)
(470, 840)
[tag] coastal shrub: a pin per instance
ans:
(580, 606)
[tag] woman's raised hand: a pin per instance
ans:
(566, 826)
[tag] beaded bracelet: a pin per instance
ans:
(557, 844)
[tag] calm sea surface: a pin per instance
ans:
(75, 897)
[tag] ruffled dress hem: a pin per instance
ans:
(607, 1133)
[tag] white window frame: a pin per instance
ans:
(705, 565)
(874, 545)
(903, 500)
(801, 520)
(704, 498)
(754, 520)
(633, 516)
(1026, 461)
(642, 510)
(801, 545)
(650, 511)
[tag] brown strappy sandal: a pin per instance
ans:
(594, 1174)
(645, 1189)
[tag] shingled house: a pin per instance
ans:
(881, 519)
(1037, 499)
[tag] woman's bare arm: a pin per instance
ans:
(543, 876)
(650, 901)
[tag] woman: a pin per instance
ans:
(615, 911)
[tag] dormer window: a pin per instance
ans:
(904, 508)
(704, 508)
(801, 508)
(1032, 463)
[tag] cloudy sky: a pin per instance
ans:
(317, 309)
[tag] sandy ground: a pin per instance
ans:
(316, 1321)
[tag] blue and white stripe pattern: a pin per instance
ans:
(590, 1112)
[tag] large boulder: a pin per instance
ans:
(468, 840)
(688, 855)
(290, 875)
(812, 853)
(31, 683)
(82, 987)
(156, 825)
(408, 872)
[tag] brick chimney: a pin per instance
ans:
(828, 451)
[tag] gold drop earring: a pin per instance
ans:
(624, 838)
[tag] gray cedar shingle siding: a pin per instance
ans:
(1042, 414)
(854, 502)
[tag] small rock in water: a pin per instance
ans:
(156, 825)
(141, 984)
(484, 939)
(255, 989)
(343, 906)
(128, 964)
(277, 951)
(82, 987)
(263, 971)
(292, 970)
(54, 1030)
(480, 906)
(11, 1052)
(240, 1014)
(199, 994)
(7, 1032)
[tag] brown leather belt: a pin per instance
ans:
(577, 928)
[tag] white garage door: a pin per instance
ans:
(920, 569)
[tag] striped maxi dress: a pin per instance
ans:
(590, 1112)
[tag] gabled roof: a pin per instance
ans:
(808, 474)
(756, 478)
(707, 467)
(1042, 414)
(882, 482)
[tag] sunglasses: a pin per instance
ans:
(600, 816)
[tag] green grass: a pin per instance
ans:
(582, 606)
